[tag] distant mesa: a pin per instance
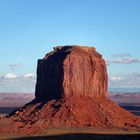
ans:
(71, 91)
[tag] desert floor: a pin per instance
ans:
(78, 134)
(84, 133)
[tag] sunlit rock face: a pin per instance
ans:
(71, 92)
(71, 71)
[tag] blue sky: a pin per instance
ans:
(30, 28)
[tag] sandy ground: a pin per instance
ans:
(78, 134)
(85, 133)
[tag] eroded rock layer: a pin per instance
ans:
(71, 92)
(71, 70)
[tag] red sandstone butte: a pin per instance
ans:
(71, 70)
(71, 91)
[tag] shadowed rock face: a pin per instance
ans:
(70, 92)
(71, 71)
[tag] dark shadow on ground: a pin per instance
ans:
(7, 110)
(84, 137)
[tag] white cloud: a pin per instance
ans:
(123, 61)
(123, 58)
(122, 55)
(14, 66)
(29, 75)
(115, 78)
(13, 83)
(125, 80)
(10, 76)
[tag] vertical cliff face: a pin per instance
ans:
(70, 90)
(71, 71)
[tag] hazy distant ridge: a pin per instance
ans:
(15, 99)
(19, 99)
